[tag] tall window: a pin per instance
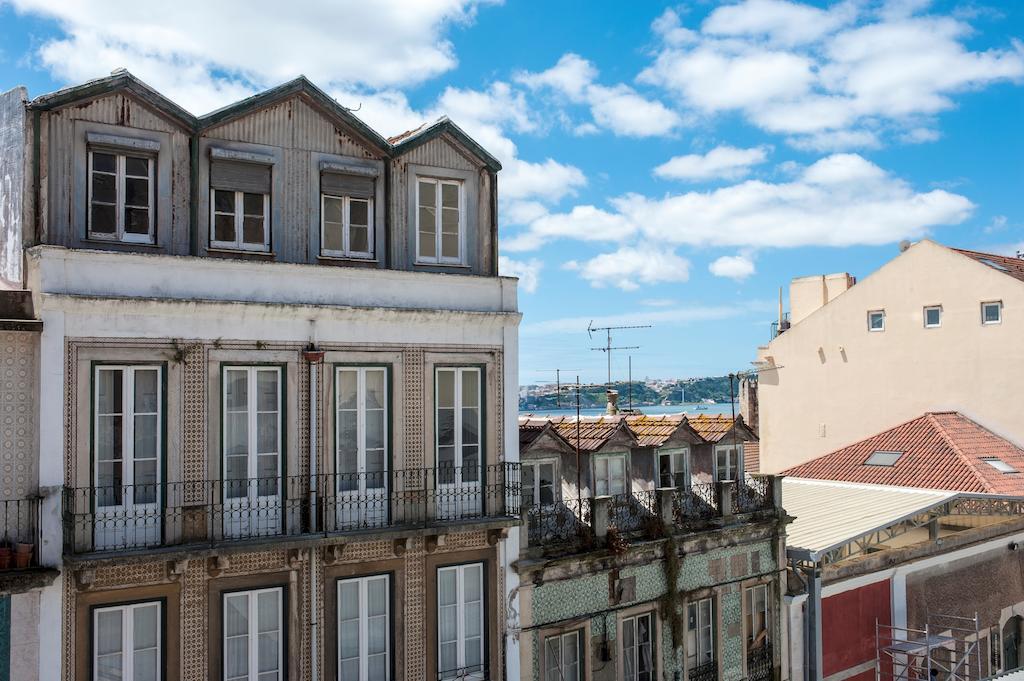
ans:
(127, 435)
(364, 629)
(362, 427)
(672, 467)
(563, 657)
(439, 221)
(700, 633)
(755, 607)
(346, 215)
(253, 642)
(252, 431)
(538, 483)
(239, 205)
(458, 422)
(460, 622)
(728, 462)
(638, 647)
(126, 642)
(610, 474)
(120, 197)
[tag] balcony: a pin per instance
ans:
(20, 567)
(582, 524)
(760, 666)
(221, 512)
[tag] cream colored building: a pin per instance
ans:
(933, 329)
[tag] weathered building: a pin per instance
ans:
(264, 389)
(643, 558)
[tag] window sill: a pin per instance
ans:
(443, 264)
(343, 258)
(232, 252)
(119, 243)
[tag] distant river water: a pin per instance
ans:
(692, 409)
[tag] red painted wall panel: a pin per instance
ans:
(848, 625)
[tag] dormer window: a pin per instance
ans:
(346, 215)
(440, 220)
(120, 197)
(240, 201)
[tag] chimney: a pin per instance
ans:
(613, 402)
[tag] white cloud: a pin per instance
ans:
(722, 162)
(737, 267)
(570, 76)
(823, 76)
(628, 268)
(528, 272)
(658, 302)
(549, 180)
(205, 55)
(841, 200)
(680, 315)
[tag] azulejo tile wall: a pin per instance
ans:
(18, 370)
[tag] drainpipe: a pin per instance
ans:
(313, 357)
(812, 624)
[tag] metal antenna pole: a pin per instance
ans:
(631, 382)
(579, 478)
(608, 341)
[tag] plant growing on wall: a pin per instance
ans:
(671, 608)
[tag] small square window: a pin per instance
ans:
(876, 320)
(882, 458)
(933, 317)
(992, 313)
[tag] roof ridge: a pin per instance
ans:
(965, 459)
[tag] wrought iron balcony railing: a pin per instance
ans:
(707, 671)
(633, 511)
(753, 493)
(119, 517)
(759, 663)
(19, 533)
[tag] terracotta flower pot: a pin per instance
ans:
(5, 557)
(23, 555)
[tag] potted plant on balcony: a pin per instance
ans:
(23, 554)
(5, 556)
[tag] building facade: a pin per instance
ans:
(643, 558)
(274, 439)
(934, 329)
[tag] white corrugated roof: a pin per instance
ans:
(830, 513)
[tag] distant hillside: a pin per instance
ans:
(696, 390)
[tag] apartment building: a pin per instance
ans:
(272, 436)
(934, 329)
(647, 554)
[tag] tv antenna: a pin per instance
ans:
(607, 349)
(558, 383)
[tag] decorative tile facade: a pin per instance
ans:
(18, 455)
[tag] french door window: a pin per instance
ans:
(755, 606)
(638, 647)
(673, 467)
(252, 448)
(700, 633)
(610, 474)
(126, 642)
(728, 462)
(120, 197)
(538, 483)
(362, 444)
(460, 622)
(459, 453)
(439, 221)
(253, 646)
(364, 629)
(127, 454)
(563, 656)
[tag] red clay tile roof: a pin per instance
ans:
(653, 431)
(711, 427)
(530, 430)
(1009, 265)
(647, 431)
(940, 450)
(752, 457)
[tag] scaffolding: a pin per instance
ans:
(947, 649)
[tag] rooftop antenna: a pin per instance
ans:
(607, 349)
(558, 383)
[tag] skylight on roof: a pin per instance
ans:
(882, 458)
(993, 263)
(1000, 465)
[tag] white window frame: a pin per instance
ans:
(360, 372)
(128, 638)
(128, 415)
(998, 305)
(120, 173)
(363, 584)
(871, 313)
(460, 635)
(626, 478)
(737, 465)
(458, 407)
(749, 614)
(653, 643)
(929, 308)
(704, 616)
(239, 215)
(252, 414)
(439, 259)
(671, 453)
(555, 480)
(346, 233)
(253, 632)
(574, 639)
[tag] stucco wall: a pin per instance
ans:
(838, 383)
(13, 173)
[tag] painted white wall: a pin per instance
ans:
(832, 367)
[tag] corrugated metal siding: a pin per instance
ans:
(440, 152)
(118, 110)
(292, 237)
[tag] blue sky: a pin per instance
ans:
(668, 164)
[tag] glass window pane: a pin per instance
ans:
(104, 162)
(374, 388)
(446, 586)
(359, 240)
(109, 398)
(552, 659)
(145, 622)
(224, 228)
(108, 632)
(236, 614)
(266, 433)
(252, 230)
(145, 482)
(473, 586)
(445, 427)
(445, 388)
(377, 668)
(375, 429)
(332, 237)
(428, 193)
(108, 438)
(236, 434)
(470, 388)
(104, 188)
(450, 196)
(146, 390)
(134, 165)
(223, 202)
(146, 436)
(349, 599)
(347, 388)
(428, 247)
(350, 638)
(449, 246)
(470, 426)
(136, 220)
(449, 221)
(103, 219)
(136, 191)
(359, 212)
(146, 665)
(236, 656)
(108, 668)
(268, 611)
(347, 442)
(268, 648)
(377, 634)
(377, 596)
(252, 204)
(267, 391)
